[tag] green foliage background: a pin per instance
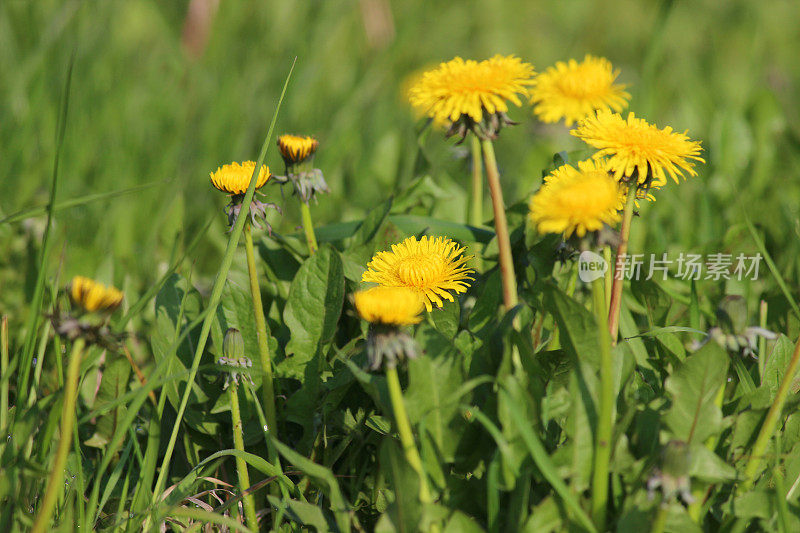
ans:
(144, 114)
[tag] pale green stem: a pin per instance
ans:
(476, 195)
(770, 422)
(267, 386)
(406, 436)
(605, 421)
(507, 274)
(3, 377)
(762, 341)
(660, 520)
(616, 288)
(308, 228)
(609, 275)
(55, 482)
(241, 465)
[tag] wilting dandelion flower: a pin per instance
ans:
(92, 296)
(634, 146)
(473, 95)
(577, 200)
(430, 266)
(296, 149)
(572, 91)
(399, 306)
(234, 178)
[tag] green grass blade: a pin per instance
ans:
(35, 311)
(544, 463)
(216, 292)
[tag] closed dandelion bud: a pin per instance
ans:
(673, 476)
(732, 315)
(732, 331)
(233, 344)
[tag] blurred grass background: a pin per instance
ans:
(151, 102)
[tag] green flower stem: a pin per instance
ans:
(616, 288)
(608, 276)
(771, 422)
(476, 194)
(660, 520)
(55, 482)
(213, 302)
(241, 465)
(308, 228)
(762, 342)
(406, 436)
(510, 298)
(605, 421)
(267, 386)
(3, 378)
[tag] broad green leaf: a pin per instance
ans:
(312, 309)
(433, 378)
(776, 364)
(693, 386)
(707, 466)
(579, 333)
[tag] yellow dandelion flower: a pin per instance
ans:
(471, 88)
(431, 266)
(572, 91)
(634, 145)
(295, 148)
(577, 200)
(235, 178)
(397, 306)
(92, 295)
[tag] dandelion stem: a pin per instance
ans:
(476, 194)
(608, 276)
(660, 520)
(501, 226)
(771, 422)
(406, 436)
(241, 465)
(55, 482)
(616, 288)
(267, 386)
(605, 421)
(308, 228)
(3, 378)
